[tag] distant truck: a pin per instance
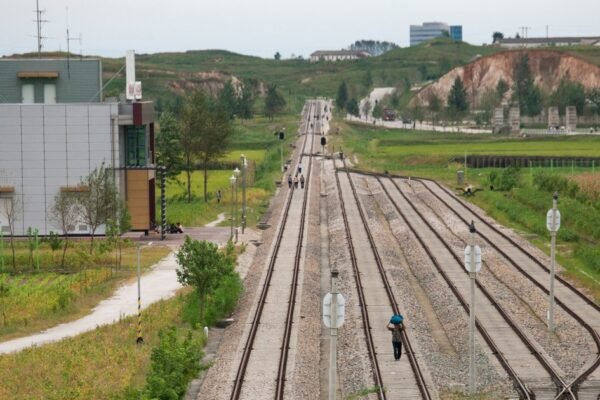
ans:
(389, 115)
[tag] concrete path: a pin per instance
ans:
(220, 218)
(160, 283)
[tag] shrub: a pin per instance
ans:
(173, 364)
(509, 178)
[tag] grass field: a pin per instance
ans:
(428, 153)
(523, 207)
(254, 139)
(102, 364)
(32, 300)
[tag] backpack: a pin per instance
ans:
(396, 319)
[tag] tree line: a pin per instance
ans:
(203, 131)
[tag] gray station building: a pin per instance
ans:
(55, 129)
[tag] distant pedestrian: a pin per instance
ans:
(296, 181)
(179, 227)
(396, 326)
(301, 181)
(219, 195)
(299, 168)
(290, 181)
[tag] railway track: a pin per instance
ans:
(257, 376)
(575, 303)
(410, 381)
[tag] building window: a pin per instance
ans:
(136, 146)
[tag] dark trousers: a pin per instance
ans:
(397, 349)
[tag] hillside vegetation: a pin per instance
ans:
(163, 73)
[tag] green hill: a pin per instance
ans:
(299, 79)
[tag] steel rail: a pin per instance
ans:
(419, 376)
(583, 375)
(241, 372)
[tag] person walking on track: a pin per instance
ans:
(290, 181)
(299, 168)
(396, 326)
(301, 181)
(296, 181)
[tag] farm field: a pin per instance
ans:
(521, 204)
(34, 299)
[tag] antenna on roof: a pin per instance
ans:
(39, 21)
(69, 39)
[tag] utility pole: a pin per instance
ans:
(333, 317)
(553, 224)
(244, 168)
(333, 334)
(473, 266)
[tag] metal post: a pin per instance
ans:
(244, 167)
(472, 275)
(163, 202)
(465, 165)
(281, 152)
(232, 206)
(1, 251)
(333, 334)
(139, 339)
(552, 263)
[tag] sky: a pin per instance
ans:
(262, 27)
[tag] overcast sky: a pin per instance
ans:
(262, 27)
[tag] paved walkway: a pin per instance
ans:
(160, 283)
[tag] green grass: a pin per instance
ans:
(106, 363)
(428, 153)
(34, 300)
(102, 364)
(256, 140)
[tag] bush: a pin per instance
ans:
(173, 364)
(509, 178)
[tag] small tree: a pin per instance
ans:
(457, 100)
(434, 106)
(274, 102)
(501, 89)
(525, 92)
(168, 144)
(569, 93)
(593, 96)
(65, 213)
(378, 110)
(118, 224)
(497, 36)
(366, 108)
(11, 207)
(352, 107)
(342, 95)
(98, 202)
(245, 106)
(228, 99)
(277, 56)
(202, 266)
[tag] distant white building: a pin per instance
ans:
(337, 55)
(547, 42)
